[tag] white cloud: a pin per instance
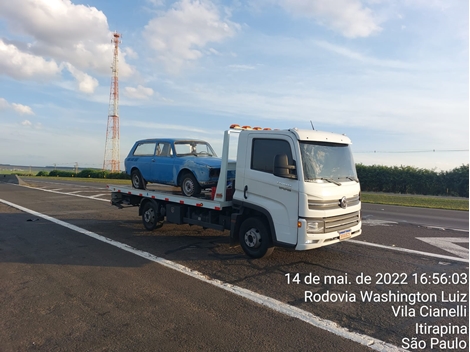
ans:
(26, 123)
(4, 105)
(62, 32)
(156, 3)
(129, 52)
(138, 93)
(242, 67)
(19, 108)
(179, 35)
(361, 57)
(22, 109)
(348, 17)
(86, 83)
(21, 65)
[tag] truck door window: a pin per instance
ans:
(264, 151)
(145, 149)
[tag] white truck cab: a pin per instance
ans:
(298, 186)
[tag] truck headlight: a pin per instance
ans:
(315, 226)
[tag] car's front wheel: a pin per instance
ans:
(137, 180)
(189, 185)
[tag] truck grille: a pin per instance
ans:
(342, 222)
(332, 204)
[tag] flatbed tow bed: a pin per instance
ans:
(158, 206)
(169, 196)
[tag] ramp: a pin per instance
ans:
(12, 179)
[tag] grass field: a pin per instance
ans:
(450, 203)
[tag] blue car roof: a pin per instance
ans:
(170, 140)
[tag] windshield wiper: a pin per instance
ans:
(352, 179)
(331, 181)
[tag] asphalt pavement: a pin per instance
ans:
(69, 291)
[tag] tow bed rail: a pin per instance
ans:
(134, 197)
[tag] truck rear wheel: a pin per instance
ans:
(254, 238)
(151, 217)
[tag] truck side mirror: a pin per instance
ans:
(281, 167)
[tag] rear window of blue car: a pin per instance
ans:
(145, 149)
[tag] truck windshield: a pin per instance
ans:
(196, 148)
(331, 162)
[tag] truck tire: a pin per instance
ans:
(189, 185)
(137, 180)
(254, 238)
(151, 216)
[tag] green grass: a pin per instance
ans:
(411, 200)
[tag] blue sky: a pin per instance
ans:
(392, 75)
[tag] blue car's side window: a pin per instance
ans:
(145, 149)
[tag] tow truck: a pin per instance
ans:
(293, 188)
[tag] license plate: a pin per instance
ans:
(344, 235)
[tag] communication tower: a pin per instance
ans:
(111, 151)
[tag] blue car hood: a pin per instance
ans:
(204, 160)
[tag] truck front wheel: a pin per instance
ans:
(254, 238)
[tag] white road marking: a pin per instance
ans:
(74, 192)
(57, 189)
(64, 193)
(98, 195)
(448, 244)
(371, 222)
(265, 301)
(399, 249)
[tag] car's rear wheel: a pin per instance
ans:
(137, 180)
(189, 185)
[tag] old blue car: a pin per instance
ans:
(189, 163)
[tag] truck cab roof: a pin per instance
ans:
(308, 135)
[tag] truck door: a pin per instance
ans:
(277, 195)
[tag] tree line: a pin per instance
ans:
(86, 173)
(412, 180)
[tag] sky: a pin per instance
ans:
(390, 74)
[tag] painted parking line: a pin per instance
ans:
(64, 193)
(99, 195)
(448, 244)
(265, 301)
(411, 251)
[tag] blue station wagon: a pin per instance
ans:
(189, 163)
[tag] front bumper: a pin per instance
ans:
(308, 241)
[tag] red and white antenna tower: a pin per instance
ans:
(111, 151)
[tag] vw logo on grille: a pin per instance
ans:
(343, 203)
